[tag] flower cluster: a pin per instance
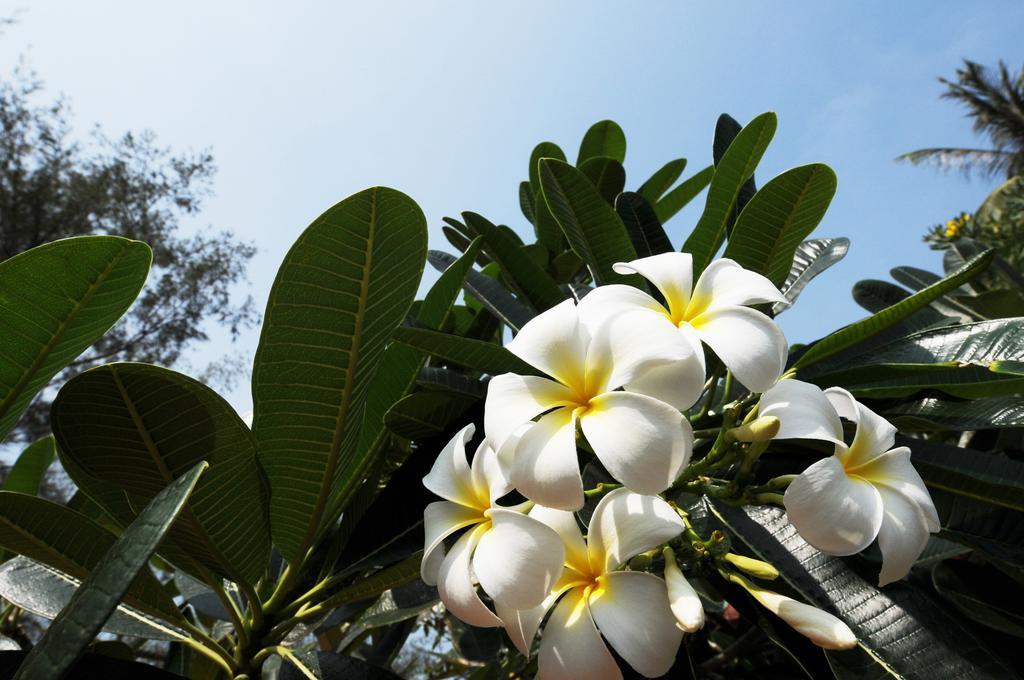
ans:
(616, 375)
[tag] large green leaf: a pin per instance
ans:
(607, 175)
(343, 288)
(98, 596)
(527, 278)
(985, 476)
(642, 224)
(982, 594)
(604, 138)
(876, 323)
(935, 413)
(993, 530)
(128, 430)
(810, 259)
(438, 301)
(55, 301)
(426, 414)
(677, 199)
(72, 543)
(779, 217)
(904, 380)
(478, 354)
(390, 577)
(662, 180)
(592, 227)
(736, 167)
(28, 471)
(542, 150)
(901, 628)
(726, 130)
(488, 292)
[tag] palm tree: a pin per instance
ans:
(996, 103)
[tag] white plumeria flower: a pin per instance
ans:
(713, 311)
(642, 441)
(629, 608)
(864, 491)
(819, 626)
(515, 558)
(682, 598)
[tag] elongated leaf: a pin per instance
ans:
(390, 577)
(445, 380)
(607, 175)
(334, 666)
(99, 594)
(528, 279)
(489, 292)
(642, 224)
(880, 381)
(426, 414)
(779, 217)
(604, 138)
(662, 180)
(483, 356)
(875, 295)
(677, 199)
(341, 291)
(995, 531)
(542, 150)
(982, 594)
(72, 543)
(438, 301)
(985, 476)
(736, 167)
(810, 259)
(726, 129)
(28, 471)
(934, 413)
(865, 328)
(914, 278)
(56, 300)
(526, 202)
(592, 227)
(902, 629)
(128, 430)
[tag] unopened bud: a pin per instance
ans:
(755, 568)
(761, 429)
(682, 598)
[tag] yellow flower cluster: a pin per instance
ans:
(955, 225)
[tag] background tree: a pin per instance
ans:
(996, 103)
(54, 186)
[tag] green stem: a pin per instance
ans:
(601, 489)
(207, 646)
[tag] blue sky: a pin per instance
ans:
(304, 103)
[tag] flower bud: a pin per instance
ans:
(682, 598)
(818, 626)
(755, 568)
(761, 429)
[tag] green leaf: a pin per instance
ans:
(334, 666)
(426, 414)
(489, 292)
(985, 476)
(592, 227)
(865, 328)
(527, 278)
(96, 666)
(997, 532)
(55, 301)
(881, 381)
(28, 471)
(726, 129)
(445, 380)
(993, 304)
(779, 217)
(526, 202)
(642, 224)
(72, 543)
(438, 301)
(677, 199)
(477, 354)
(127, 430)
(98, 596)
(343, 288)
(607, 175)
(934, 413)
(390, 577)
(811, 258)
(982, 594)
(542, 150)
(899, 627)
(662, 180)
(736, 167)
(604, 138)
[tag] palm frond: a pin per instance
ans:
(987, 162)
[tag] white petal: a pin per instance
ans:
(678, 384)
(545, 468)
(450, 476)
(875, 435)
(902, 537)
(627, 345)
(748, 343)
(819, 626)
(625, 524)
(832, 512)
(489, 480)
(455, 583)
(513, 400)
(725, 284)
(555, 342)
(632, 613)
(440, 520)
(644, 443)
(683, 600)
(894, 469)
(564, 524)
(518, 560)
(803, 411)
(671, 273)
(571, 648)
(605, 302)
(522, 624)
